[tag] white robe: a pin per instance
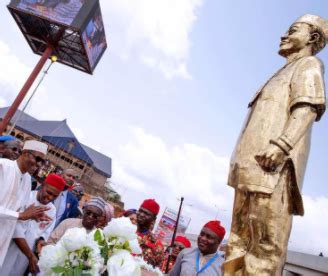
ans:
(16, 263)
(15, 189)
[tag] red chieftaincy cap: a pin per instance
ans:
(151, 205)
(216, 227)
(184, 241)
(56, 181)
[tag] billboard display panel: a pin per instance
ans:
(165, 228)
(60, 11)
(94, 38)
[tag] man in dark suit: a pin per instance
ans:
(66, 203)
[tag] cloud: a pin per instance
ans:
(309, 233)
(78, 132)
(13, 72)
(153, 30)
(147, 167)
(3, 102)
(150, 168)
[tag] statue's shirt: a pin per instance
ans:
(300, 82)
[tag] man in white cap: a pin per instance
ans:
(269, 160)
(15, 179)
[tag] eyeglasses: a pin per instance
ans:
(15, 149)
(72, 176)
(38, 159)
(179, 247)
(92, 214)
(78, 192)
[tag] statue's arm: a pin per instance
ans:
(299, 122)
(307, 104)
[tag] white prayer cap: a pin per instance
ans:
(315, 20)
(36, 146)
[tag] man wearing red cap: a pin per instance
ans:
(30, 235)
(180, 243)
(204, 260)
(152, 249)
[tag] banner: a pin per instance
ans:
(165, 227)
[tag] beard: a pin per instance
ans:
(285, 52)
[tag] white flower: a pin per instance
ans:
(73, 257)
(74, 239)
(52, 256)
(121, 263)
(66, 249)
(97, 266)
(135, 247)
(121, 228)
(145, 266)
(92, 244)
(95, 259)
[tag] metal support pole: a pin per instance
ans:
(173, 237)
(53, 59)
(13, 108)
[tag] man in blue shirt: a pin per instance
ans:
(204, 260)
(66, 203)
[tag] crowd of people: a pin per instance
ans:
(32, 218)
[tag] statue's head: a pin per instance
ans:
(309, 32)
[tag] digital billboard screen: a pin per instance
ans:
(60, 11)
(94, 38)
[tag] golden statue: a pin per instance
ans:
(268, 164)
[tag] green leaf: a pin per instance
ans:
(97, 236)
(58, 269)
(69, 273)
(77, 271)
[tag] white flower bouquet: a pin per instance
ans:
(77, 252)
(101, 252)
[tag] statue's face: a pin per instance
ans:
(296, 38)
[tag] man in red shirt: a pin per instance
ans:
(152, 249)
(180, 243)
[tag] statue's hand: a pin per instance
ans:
(271, 158)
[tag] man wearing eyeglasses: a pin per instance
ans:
(12, 149)
(66, 203)
(93, 212)
(15, 179)
(180, 243)
(3, 139)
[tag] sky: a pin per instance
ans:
(168, 99)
